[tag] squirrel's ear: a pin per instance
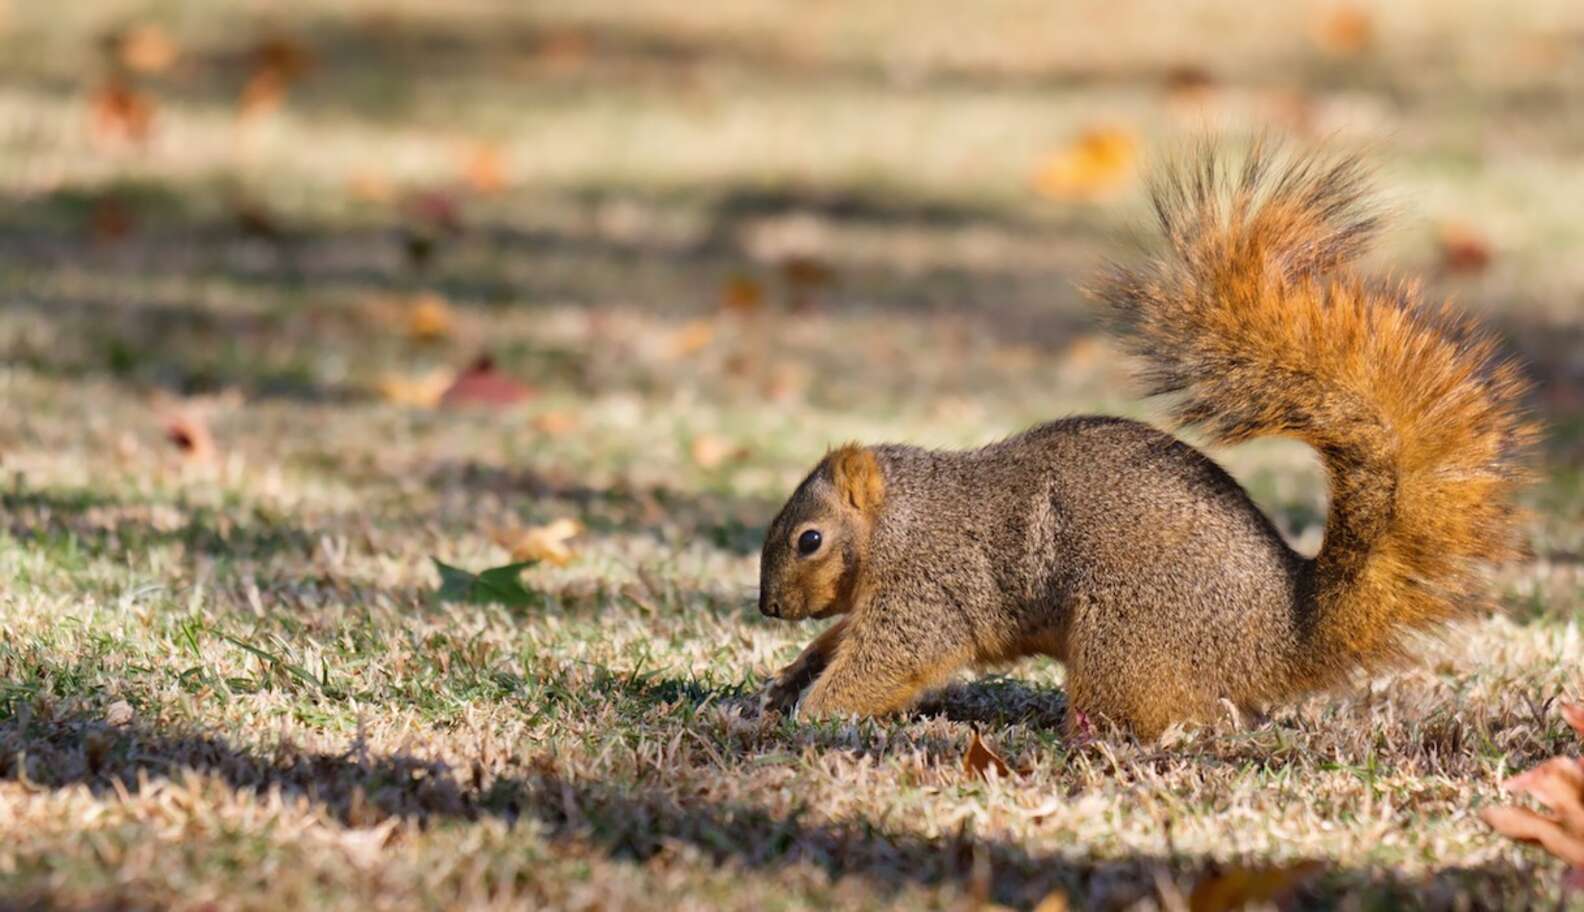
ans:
(857, 475)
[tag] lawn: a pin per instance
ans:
(244, 247)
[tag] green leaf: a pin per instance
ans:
(496, 585)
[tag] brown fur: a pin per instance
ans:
(1131, 556)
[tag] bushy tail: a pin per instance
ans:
(1252, 317)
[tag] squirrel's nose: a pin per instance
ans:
(769, 608)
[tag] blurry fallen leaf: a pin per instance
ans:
(1463, 249)
(370, 186)
(422, 391)
(1095, 164)
(111, 220)
(483, 384)
(542, 543)
(692, 338)
(1228, 887)
(741, 294)
(283, 55)
(1343, 29)
(189, 433)
(262, 94)
(805, 276)
(122, 112)
(554, 424)
(119, 713)
(142, 48)
(483, 168)
(981, 760)
(710, 452)
(429, 317)
(1054, 901)
(501, 585)
(1189, 79)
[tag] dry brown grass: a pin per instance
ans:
(228, 681)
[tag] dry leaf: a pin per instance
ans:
(981, 760)
(741, 294)
(1463, 249)
(262, 94)
(422, 391)
(429, 317)
(554, 424)
(692, 338)
(546, 543)
(189, 433)
(1054, 901)
(709, 451)
(143, 48)
(122, 112)
(1235, 887)
(483, 384)
(111, 220)
(483, 168)
(1095, 164)
(1344, 30)
(277, 63)
(119, 713)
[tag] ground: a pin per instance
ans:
(710, 240)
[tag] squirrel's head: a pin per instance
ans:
(817, 543)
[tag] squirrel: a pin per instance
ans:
(1132, 557)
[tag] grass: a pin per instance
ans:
(230, 681)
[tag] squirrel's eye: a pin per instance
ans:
(809, 542)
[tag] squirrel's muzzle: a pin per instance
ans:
(767, 606)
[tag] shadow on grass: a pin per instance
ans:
(637, 820)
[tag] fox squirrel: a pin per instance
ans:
(1132, 557)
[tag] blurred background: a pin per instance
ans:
(722, 232)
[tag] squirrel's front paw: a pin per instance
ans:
(781, 695)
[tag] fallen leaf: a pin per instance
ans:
(692, 338)
(277, 63)
(1463, 248)
(263, 93)
(370, 186)
(502, 585)
(122, 112)
(1228, 887)
(554, 424)
(189, 433)
(1098, 162)
(119, 713)
(142, 48)
(429, 317)
(1343, 30)
(546, 543)
(1054, 901)
(111, 220)
(421, 391)
(981, 761)
(710, 452)
(481, 383)
(741, 294)
(1189, 80)
(805, 276)
(483, 168)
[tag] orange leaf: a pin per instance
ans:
(483, 384)
(429, 317)
(546, 543)
(981, 760)
(741, 295)
(143, 49)
(189, 433)
(709, 451)
(1464, 249)
(422, 391)
(1343, 30)
(554, 424)
(1095, 164)
(262, 94)
(692, 338)
(483, 168)
(122, 112)
(1236, 887)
